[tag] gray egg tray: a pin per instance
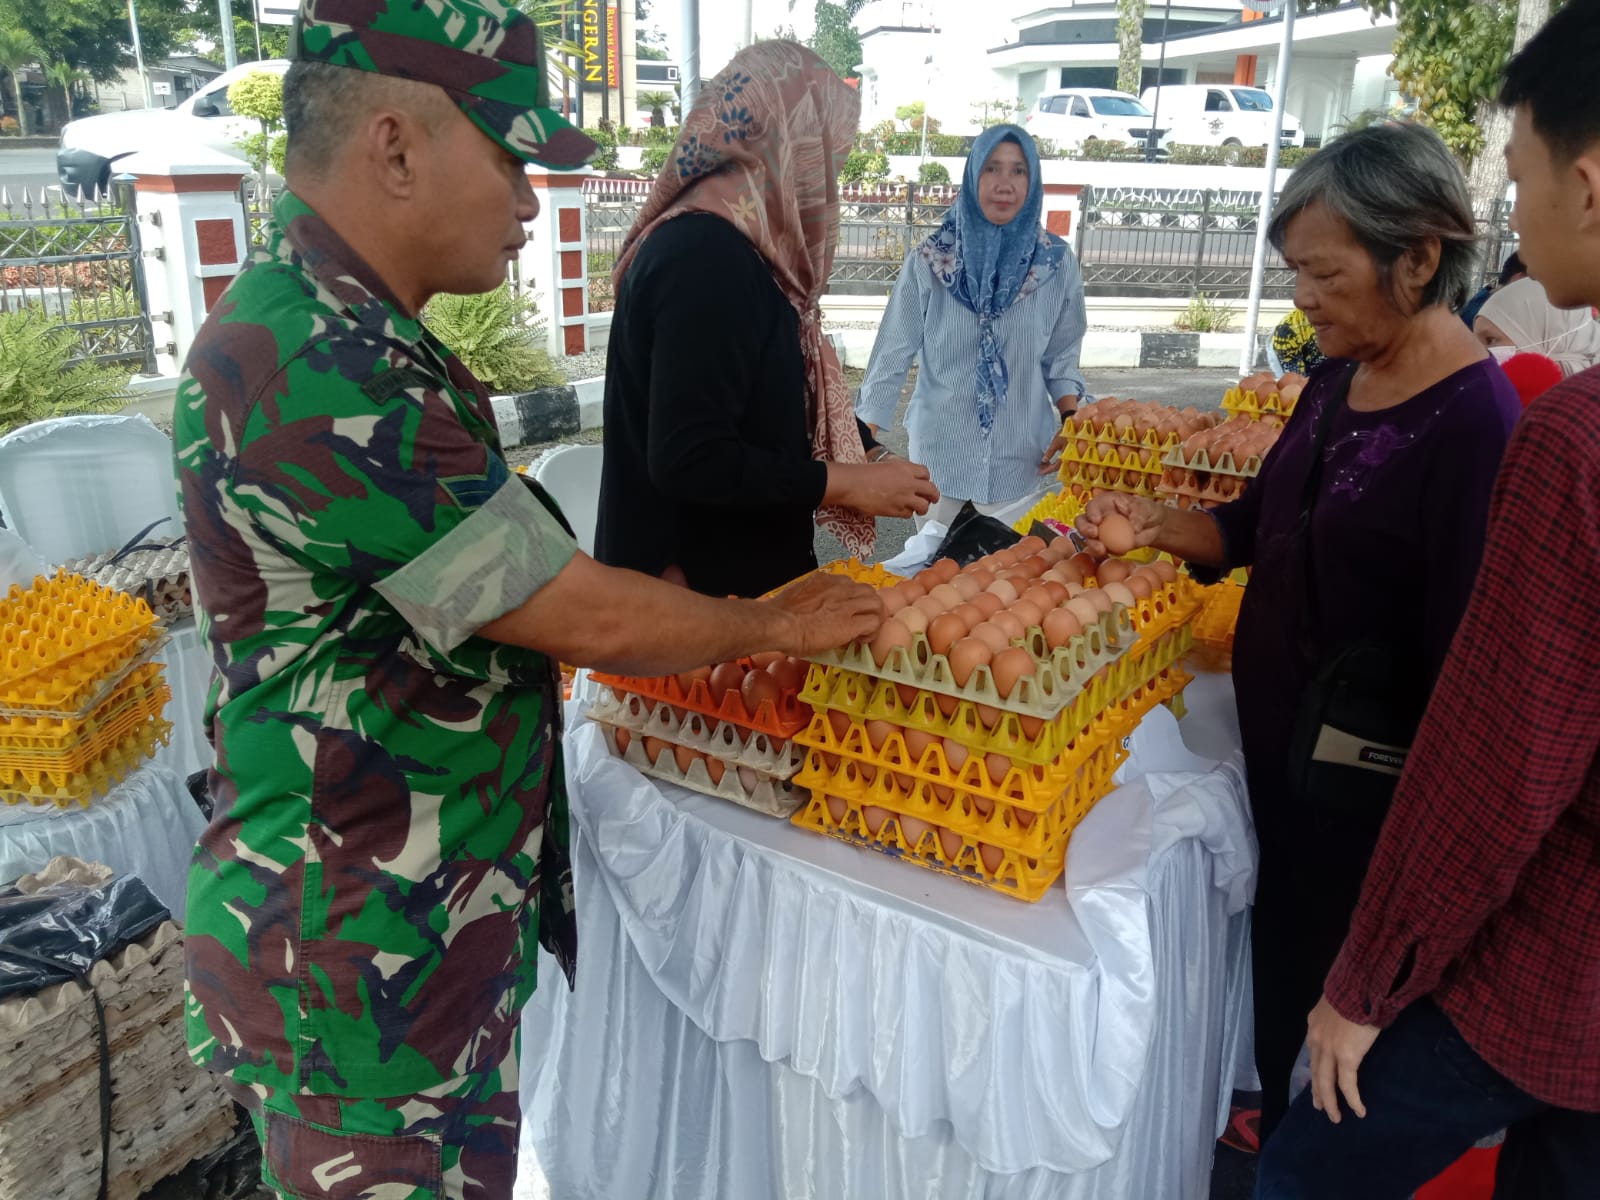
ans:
(158, 575)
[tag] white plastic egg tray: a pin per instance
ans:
(770, 796)
(159, 576)
(733, 744)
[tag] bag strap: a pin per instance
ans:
(1309, 493)
(133, 545)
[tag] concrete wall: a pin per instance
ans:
(1097, 174)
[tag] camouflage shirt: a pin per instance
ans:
(364, 907)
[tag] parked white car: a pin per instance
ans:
(90, 148)
(1070, 117)
(1221, 115)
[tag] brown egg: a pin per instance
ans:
(790, 673)
(1080, 607)
(946, 568)
(1009, 624)
(947, 595)
(1031, 544)
(966, 656)
(1113, 570)
(972, 614)
(993, 857)
(1140, 585)
(686, 757)
(655, 748)
(944, 631)
(1119, 594)
(759, 688)
(992, 636)
(912, 830)
(946, 704)
(1098, 598)
(836, 808)
(1024, 819)
(893, 600)
(907, 694)
(874, 817)
(1035, 566)
(931, 606)
(891, 634)
(912, 618)
(911, 590)
(687, 679)
(1165, 569)
(1061, 625)
(624, 740)
(917, 743)
(1075, 589)
(927, 579)
(878, 732)
(839, 723)
(1085, 565)
(988, 604)
(1068, 571)
(725, 677)
(1003, 588)
(1041, 597)
(1008, 667)
(955, 754)
(998, 766)
(716, 768)
(1028, 613)
(1116, 533)
(950, 842)
(982, 576)
(967, 586)
(1031, 726)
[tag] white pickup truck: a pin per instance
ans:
(90, 148)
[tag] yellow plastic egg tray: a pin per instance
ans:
(1060, 676)
(1236, 401)
(61, 637)
(77, 740)
(1062, 507)
(1112, 479)
(1082, 425)
(1033, 787)
(100, 777)
(865, 698)
(771, 797)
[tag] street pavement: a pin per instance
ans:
(27, 168)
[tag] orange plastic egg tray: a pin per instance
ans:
(782, 720)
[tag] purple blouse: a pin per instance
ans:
(1396, 536)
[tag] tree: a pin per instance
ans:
(68, 78)
(93, 34)
(988, 113)
(913, 115)
(1488, 176)
(1130, 45)
(259, 96)
(836, 40)
(656, 103)
(852, 8)
(17, 50)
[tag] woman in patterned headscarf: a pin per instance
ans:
(727, 421)
(991, 308)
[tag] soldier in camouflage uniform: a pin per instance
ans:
(384, 600)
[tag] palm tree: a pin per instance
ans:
(66, 77)
(17, 50)
(656, 102)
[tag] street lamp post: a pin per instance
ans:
(1258, 267)
(230, 52)
(138, 55)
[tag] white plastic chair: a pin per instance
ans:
(571, 474)
(81, 485)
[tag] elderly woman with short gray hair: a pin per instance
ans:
(1363, 528)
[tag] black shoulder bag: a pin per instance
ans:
(1360, 713)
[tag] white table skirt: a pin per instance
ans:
(146, 826)
(763, 1012)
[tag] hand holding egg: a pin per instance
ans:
(826, 612)
(1117, 523)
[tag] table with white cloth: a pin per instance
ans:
(147, 825)
(762, 1012)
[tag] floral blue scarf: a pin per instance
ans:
(989, 267)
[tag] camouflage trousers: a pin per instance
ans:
(456, 1141)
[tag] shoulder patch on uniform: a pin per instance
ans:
(386, 385)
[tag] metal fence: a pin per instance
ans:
(79, 259)
(1173, 243)
(1496, 239)
(612, 206)
(257, 199)
(877, 229)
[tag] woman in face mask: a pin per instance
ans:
(1519, 319)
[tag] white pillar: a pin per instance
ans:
(192, 226)
(689, 53)
(555, 260)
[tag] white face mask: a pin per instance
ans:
(1501, 353)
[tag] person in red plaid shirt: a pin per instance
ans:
(1466, 998)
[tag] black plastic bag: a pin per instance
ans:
(57, 933)
(973, 535)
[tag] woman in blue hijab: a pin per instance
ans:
(990, 306)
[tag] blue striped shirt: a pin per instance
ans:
(1040, 337)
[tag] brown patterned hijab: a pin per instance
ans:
(762, 149)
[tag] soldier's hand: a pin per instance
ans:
(826, 612)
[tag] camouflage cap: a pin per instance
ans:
(487, 55)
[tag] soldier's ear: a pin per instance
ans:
(394, 140)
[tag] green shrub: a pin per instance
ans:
(903, 143)
(1047, 148)
(259, 96)
(1293, 156)
(655, 158)
(36, 381)
(864, 166)
(1185, 154)
(606, 139)
(1251, 156)
(660, 135)
(1205, 314)
(496, 336)
(1110, 151)
(932, 174)
(947, 145)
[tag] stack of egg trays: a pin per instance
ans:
(80, 699)
(759, 766)
(1235, 400)
(158, 575)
